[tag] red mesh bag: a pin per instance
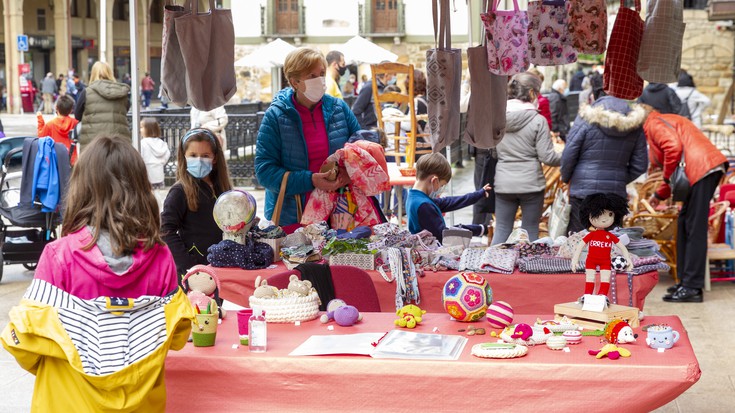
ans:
(621, 76)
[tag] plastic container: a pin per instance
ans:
(257, 331)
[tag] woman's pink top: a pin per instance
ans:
(315, 134)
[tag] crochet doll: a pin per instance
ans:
(202, 286)
(603, 212)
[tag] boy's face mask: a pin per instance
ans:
(438, 191)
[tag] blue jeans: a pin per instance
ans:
(147, 98)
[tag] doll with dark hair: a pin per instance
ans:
(602, 212)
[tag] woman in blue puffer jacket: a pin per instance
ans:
(301, 128)
(605, 150)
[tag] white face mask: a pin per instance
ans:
(315, 88)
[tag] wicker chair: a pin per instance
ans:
(660, 227)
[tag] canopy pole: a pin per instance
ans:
(135, 128)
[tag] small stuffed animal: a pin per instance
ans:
(263, 290)
(409, 316)
(302, 288)
(612, 352)
(619, 332)
(343, 314)
(202, 288)
(522, 331)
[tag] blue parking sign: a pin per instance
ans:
(22, 43)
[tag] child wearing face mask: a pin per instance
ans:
(187, 223)
(425, 206)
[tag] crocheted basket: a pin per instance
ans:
(288, 309)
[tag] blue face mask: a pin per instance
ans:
(437, 193)
(198, 167)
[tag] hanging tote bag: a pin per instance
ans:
(507, 43)
(560, 211)
(488, 98)
(621, 77)
(659, 60)
(207, 42)
(549, 43)
(443, 81)
(276, 218)
(173, 77)
(587, 25)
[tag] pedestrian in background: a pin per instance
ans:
(48, 89)
(335, 70)
(696, 101)
(147, 85)
(154, 150)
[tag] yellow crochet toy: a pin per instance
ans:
(409, 316)
(612, 351)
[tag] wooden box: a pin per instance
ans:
(595, 319)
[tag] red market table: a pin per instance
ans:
(527, 293)
(227, 379)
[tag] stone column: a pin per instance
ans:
(13, 22)
(62, 36)
(109, 54)
(144, 27)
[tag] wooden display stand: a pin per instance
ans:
(595, 319)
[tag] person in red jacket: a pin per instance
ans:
(60, 127)
(669, 136)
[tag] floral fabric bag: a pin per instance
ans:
(587, 25)
(549, 43)
(507, 42)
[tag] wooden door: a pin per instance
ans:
(385, 16)
(287, 17)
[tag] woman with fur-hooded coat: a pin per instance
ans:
(605, 150)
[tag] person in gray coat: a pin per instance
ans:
(519, 178)
(605, 150)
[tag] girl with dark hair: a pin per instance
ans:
(519, 178)
(187, 223)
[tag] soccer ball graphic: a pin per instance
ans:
(619, 263)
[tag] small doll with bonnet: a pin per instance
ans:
(202, 286)
(602, 212)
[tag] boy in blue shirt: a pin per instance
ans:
(424, 207)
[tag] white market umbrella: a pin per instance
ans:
(360, 50)
(272, 54)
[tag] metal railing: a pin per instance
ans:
(241, 132)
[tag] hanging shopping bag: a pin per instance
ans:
(507, 43)
(587, 25)
(549, 43)
(443, 81)
(207, 42)
(173, 77)
(276, 217)
(621, 77)
(560, 211)
(660, 58)
(488, 97)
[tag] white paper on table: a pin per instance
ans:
(360, 343)
(402, 344)
(230, 306)
(594, 302)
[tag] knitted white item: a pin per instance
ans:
(287, 309)
(538, 337)
(498, 350)
(558, 326)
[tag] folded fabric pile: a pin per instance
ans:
(492, 259)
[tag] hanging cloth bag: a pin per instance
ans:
(276, 218)
(173, 78)
(587, 25)
(488, 98)
(549, 43)
(660, 58)
(443, 81)
(207, 42)
(621, 77)
(507, 43)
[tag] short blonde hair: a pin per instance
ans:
(433, 164)
(101, 71)
(302, 60)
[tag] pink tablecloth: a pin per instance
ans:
(527, 293)
(226, 379)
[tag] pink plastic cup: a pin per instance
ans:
(243, 316)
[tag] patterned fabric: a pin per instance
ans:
(660, 58)
(545, 265)
(621, 77)
(499, 260)
(549, 42)
(587, 25)
(662, 266)
(368, 179)
(471, 259)
(443, 81)
(507, 43)
(251, 256)
(526, 249)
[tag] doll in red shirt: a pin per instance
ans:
(602, 212)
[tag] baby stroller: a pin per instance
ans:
(31, 210)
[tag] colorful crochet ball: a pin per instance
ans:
(500, 314)
(466, 296)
